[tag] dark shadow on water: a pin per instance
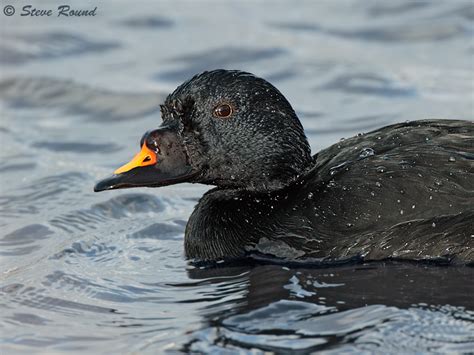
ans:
(415, 31)
(397, 8)
(32, 297)
(148, 22)
(23, 48)
(76, 99)
(332, 306)
(368, 84)
(281, 75)
(23, 240)
(159, 231)
(223, 58)
(77, 147)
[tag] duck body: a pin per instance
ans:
(404, 191)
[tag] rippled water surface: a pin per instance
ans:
(105, 273)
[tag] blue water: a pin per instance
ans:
(105, 273)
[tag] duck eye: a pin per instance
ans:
(223, 111)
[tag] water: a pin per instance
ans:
(105, 273)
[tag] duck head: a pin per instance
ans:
(225, 128)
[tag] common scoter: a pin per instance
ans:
(405, 191)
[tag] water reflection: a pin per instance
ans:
(362, 306)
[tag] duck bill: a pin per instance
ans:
(161, 161)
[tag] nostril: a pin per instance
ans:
(147, 158)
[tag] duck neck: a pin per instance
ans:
(227, 223)
(281, 177)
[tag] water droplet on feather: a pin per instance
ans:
(366, 152)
